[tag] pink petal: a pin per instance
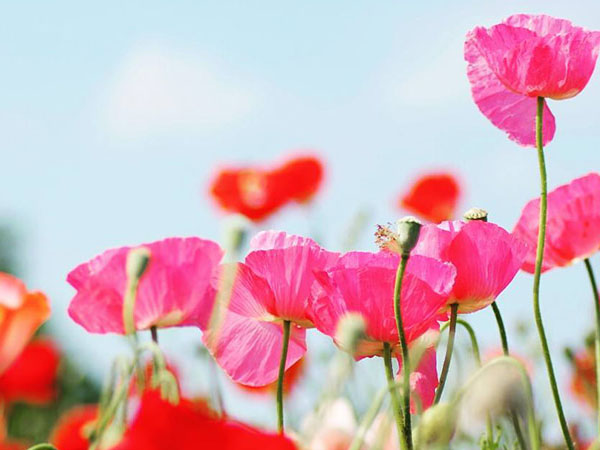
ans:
(368, 289)
(573, 227)
(423, 381)
(289, 271)
(266, 240)
(175, 290)
(511, 112)
(247, 340)
(554, 66)
(487, 258)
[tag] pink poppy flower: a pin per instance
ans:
(363, 283)
(175, 290)
(525, 57)
(275, 283)
(486, 258)
(573, 228)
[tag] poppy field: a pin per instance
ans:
(257, 299)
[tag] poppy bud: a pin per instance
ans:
(476, 214)
(350, 330)
(408, 230)
(137, 262)
(436, 427)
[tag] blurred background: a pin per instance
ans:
(114, 118)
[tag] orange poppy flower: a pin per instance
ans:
(433, 197)
(21, 314)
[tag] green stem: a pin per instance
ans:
(590, 272)
(472, 337)
(501, 328)
(42, 447)
(129, 305)
(284, 350)
(538, 271)
(404, 351)
(389, 374)
(449, 348)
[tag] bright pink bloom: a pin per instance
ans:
(486, 258)
(573, 228)
(363, 283)
(275, 283)
(525, 57)
(175, 290)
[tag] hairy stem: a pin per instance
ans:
(284, 351)
(538, 272)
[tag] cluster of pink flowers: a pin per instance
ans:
(254, 314)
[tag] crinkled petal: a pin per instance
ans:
(245, 329)
(266, 240)
(423, 381)
(511, 112)
(174, 290)
(369, 290)
(554, 66)
(289, 269)
(487, 258)
(573, 225)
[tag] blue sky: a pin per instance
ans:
(114, 115)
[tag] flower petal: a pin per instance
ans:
(511, 112)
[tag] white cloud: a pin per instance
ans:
(159, 90)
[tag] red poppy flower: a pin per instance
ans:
(258, 193)
(291, 380)
(160, 425)
(300, 178)
(31, 377)
(71, 430)
(433, 197)
(583, 379)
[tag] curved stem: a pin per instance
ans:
(404, 350)
(449, 348)
(538, 271)
(282, 361)
(501, 328)
(590, 272)
(472, 337)
(389, 374)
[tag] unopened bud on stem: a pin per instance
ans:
(408, 230)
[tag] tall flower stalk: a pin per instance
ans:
(407, 431)
(284, 351)
(538, 271)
